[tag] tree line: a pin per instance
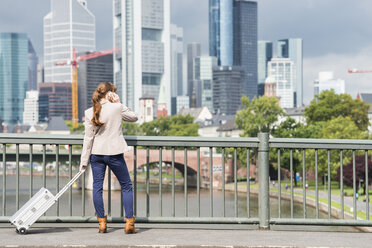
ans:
(329, 116)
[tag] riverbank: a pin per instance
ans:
(310, 201)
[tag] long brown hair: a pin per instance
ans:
(98, 94)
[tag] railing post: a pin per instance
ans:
(263, 181)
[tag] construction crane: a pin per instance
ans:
(358, 71)
(74, 63)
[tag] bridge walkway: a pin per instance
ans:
(85, 235)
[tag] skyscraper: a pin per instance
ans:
(193, 51)
(221, 21)
(176, 41)
(281, 70)
(55, 100)
(265, 54)
(33, 61)
(176, 60)
(233, 37)
(292, 49)
(142, 33)
(228, 83)
(204, 77)
(91, 72)
(13, 76)
(245, 43)
(214, 29)
(69, 25)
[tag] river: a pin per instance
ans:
(154, 201)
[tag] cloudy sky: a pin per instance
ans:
(337, 34)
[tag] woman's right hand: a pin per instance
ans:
(113, 97)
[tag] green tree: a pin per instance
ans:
(177, 125)
(329, 105)
(259, 115)
(337, 128)
(183, 125)
(289, 129)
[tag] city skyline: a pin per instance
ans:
(336, 46)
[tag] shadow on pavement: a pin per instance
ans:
(117, 229)
(48, 230)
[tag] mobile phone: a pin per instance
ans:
(110, 96)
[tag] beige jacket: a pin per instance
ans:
(108, 140)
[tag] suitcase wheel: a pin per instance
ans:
(22, 231)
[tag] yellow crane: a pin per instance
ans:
(74, 86)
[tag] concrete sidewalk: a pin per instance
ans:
(62, 235)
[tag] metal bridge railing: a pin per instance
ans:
(280, 146)
(17, 148)
(63, 152)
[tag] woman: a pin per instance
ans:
(104, 144)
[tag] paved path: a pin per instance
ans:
(348, 201)
(67, 236)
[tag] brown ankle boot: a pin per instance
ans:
(102, 224)
(129, 226)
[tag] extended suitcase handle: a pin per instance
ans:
(64, 189)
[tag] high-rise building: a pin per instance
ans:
(193, 51)
(40, 74)
(142, 33)
(214, 29)
(33, 61)
(292, 49)
(31, 108)
(55, 99)
(265, 54)
(221, 21)
(69, 25)
(203, 74)
(233, 37)
(228, 84)
(13, 76)
(91, 72)
(281, 70)
(176, 60)
(176, 65)
(326, 81)
(245, 43)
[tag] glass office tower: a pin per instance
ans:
(233, 37)
(33, 61)
(221, 31)
(292, 49)
(265, 54)
(227, 89)
(69, 25)
(245, 43)
(193, 51)
(13, 76)
(214, 29)
(204, 77)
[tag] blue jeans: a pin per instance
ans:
(118, 166)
